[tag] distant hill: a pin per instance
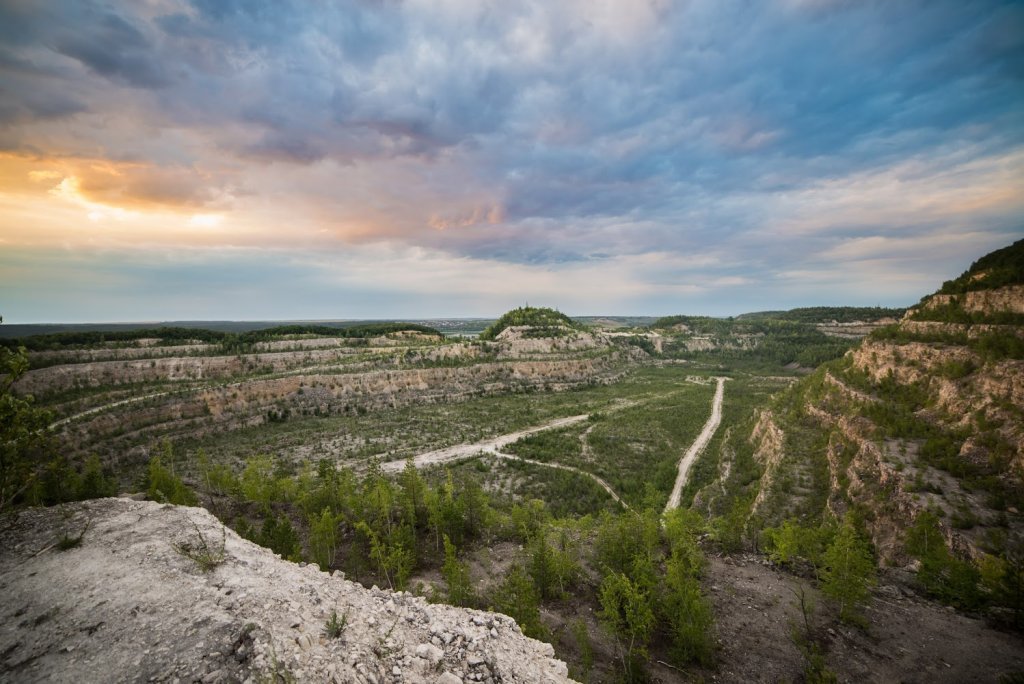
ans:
(547, 322)
(612, 322)
(990, 292)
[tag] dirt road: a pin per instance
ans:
(492, 445)
(698, 446)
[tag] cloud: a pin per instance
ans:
(738, 143)
(134, 185)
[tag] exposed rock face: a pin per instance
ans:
(127, 371)
(767, 439)
(126, 605)
(108, 354)
(698, 343)
(1004, 299)
(853, 330)
(195, 394)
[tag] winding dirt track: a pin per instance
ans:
(97, 409)
(494, 445)
(604, 485)
(698, 446)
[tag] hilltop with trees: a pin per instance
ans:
(544, 322)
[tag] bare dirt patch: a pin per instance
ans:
(907, 638)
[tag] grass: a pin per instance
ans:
(69, 541)
(743, 394)
(335, 627)
(630, 448)
(206, 555)
(564, 493)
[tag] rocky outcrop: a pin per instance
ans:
(768, 441)
(518, 341)
(143, 351)
(994, 390)
(130, 604)
(853, 330)
(1001, 300)
(61, 378)
(937, 329)
(698, 343)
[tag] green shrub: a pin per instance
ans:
(456, 576)
(165, 486)
(517, 597)
(849, 570)
(550, 323)
(943, 575)
(198, 549)
(25, 442)
(335, 627)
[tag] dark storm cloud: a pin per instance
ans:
(34, 106)
(114, 48)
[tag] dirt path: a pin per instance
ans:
(698, 446)
(89, 412)
(604, 485)
(492, 445)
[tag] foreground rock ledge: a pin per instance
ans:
(125, 605)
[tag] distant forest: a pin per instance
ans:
(182, 335)
(827, 314)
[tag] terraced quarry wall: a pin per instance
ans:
(925, 416)
(306, 383)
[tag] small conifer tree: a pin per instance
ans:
(849, 570)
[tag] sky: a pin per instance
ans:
(284, 160)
